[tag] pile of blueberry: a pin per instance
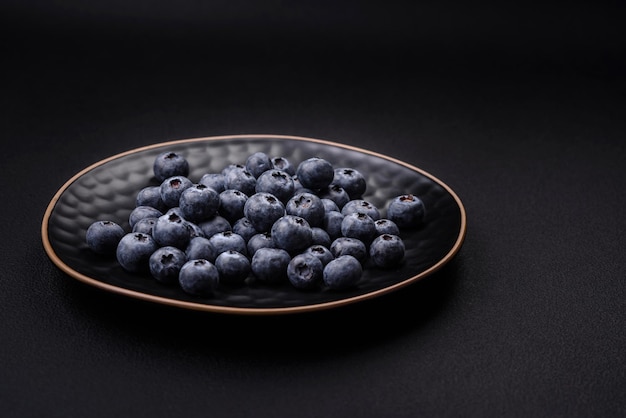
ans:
(266, 221)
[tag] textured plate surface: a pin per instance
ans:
(106, 191)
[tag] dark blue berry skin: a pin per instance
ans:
(215, 225)
(214, 181)
(134, 250)
(150, 196)
(200, 248)
(386, 226)
(172, 188)
(198, 203)
(142, 212)
(299, 188)
(277, 183)
(233, 267)
(171, 230)
(321, 252)
(263, 209)
(349, 246)
(241, 180)
(308, 206)
(104, 236)
(165, 264)
(407, 211)
(258, 163)
(260, 240)
(145, 225)
(305, 272)
(170, 164)
(244, 228)
(335, 193)
(330, 205)
(292, 233)
(350, 180)
(231, 205)
(363, 206)
(226, 241)
(342, 273)
(332, 224)
(360, 226)
(320, 237)
(387, 250)
(269, 265)
(315, 173)
(283, 164)
(199, 278)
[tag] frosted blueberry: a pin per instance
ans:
(407, 211)
(141, 212)
(305, 271)
(363, 206)
(350, 180)
(104, 236)
(257, 163)
(198, 203)
(307, 206)
(172, 188)
(233, 267)
(170, 164)
(134, 250)
(349, 246)
(315, 173)
(342, 273)
(165, 264)
(387, 250)
(199, 278)
(269, 265)
(262, 210)
(292, 233)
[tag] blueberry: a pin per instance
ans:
(320, 237)
(141, 212)
(307, 206)
(244, 228)
(170, 164)
(134, 250)
(263, 209)
(330, 205)
(292, 233)
(349, 246)
(233, 267)
(171, 230)
(165, 264)
(104, 236)
(386, 226)
(260, 240)
(277, 183)
(335, 193)
(283, 164)
(215, 225)
(231, 204)
(194, 230)
(350, 180)
(145, 225)
(315, 173)
(269, 265)
(199, 277)
(241, 180)
(407, 211)
(213, 180)
(200, 248)
(199, 202)
(387, 250)
(360, 226)
(231, 167)
(332, 224)
(321, 252)
(258, 163)
(172, 188)
(150, 196)
(305, 271)
(342, 273)
(363, 206)
(226, 241)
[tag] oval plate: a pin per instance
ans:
(107, 189)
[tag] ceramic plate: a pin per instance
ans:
(107, 189)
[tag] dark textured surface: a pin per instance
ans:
(519, 107)
(108, 192)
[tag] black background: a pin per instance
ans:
(519, 107)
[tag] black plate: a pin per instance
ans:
(106, 191)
